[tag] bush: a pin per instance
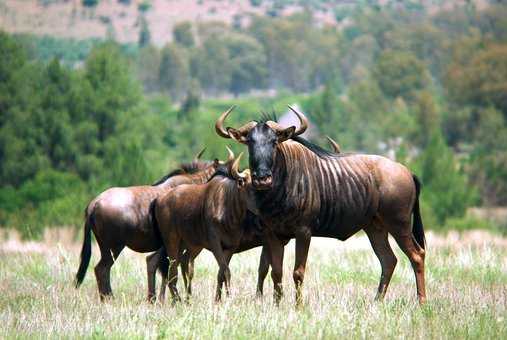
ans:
(468, 223)
(445, 187)
(49, 185)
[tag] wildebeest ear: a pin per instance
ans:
(216, 162)
(241, 182)
(285, 134)
(237, 135)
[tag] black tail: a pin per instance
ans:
(163, 264)
(86, 250)
(417, 228)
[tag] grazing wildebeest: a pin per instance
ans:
(119, 217)
(252, 237)
(303, 191)
(204, 216)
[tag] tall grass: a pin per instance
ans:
(466, 284)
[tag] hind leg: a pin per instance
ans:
(163, 268)
(381, 247)
(172, 245)
(416, 255)
(103, 270)
(187, 268)
(152, 262)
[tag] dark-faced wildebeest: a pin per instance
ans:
(119, 217)
(303, 191)
(252, 237)
(204, 216)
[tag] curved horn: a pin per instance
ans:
(302, 118)
(334, 145)
(198, 156)
(230, 154)
(274, 125)
(219, 125)
(235, 168)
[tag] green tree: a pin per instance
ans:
(148, 67)
(12, 58)
(192, 101)
(427, 117)
(400, 74)
(445, 187)
(183, 35)
(144, 33)
(90, 3)
(248, 63)
(211, 66)
(482, 80)
(110, 86)
(489, 156)
(173, 73)
(298, 54)
(144, 6)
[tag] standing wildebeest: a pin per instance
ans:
(252, 237)
(119, 217)
(204, 216)
(303, 191)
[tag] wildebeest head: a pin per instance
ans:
(242, 178)
(261, 139)
(230, 169)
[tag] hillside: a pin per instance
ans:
(70, 19)
(120, 19)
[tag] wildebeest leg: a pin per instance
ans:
(382, 248)
(152, 262)
(264, 263)
(224, 274)
(184, 261)
(187, 268)
(228, 255)
(172, 245)
(163, 267)
(416, 255)
(302, 245)
(103, 270)
(276, 249)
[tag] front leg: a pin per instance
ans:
(303, 239)
(276, 249)
(264, 263)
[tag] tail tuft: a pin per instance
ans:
(86, 250)
(418, 228)
(163, 265)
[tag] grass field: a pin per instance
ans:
(466, 284)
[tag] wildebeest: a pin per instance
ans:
(204, 216)
(119, 217)
(303, 191)
(252, 237)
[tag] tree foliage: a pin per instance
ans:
(426, 89)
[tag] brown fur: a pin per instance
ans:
(202, 216)
(304, 191)
(119, 217)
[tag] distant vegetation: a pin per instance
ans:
(79, 116)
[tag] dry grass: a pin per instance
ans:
(466, 282)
